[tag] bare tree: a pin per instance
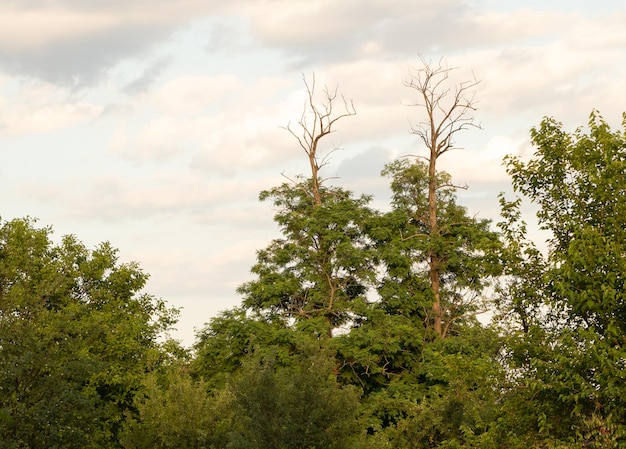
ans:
(449, 110)
(316, 122)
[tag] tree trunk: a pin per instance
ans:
(434, 259)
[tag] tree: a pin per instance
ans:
(519, 305)
(414, 349)
(76, 338)
(174, 410)
(411, 355)
(573, 362)
(225, 344)
(276, 349)
(385, 353)
(298, 406)
(424, 394)
(320, 270)
(448, 112)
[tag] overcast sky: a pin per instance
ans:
(154, 124)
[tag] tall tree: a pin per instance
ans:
(448, 111)
(320, 268)
(418, 348)
(573, 361)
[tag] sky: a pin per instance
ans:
(154, 124)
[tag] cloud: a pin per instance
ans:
(366, 164)
(221, 125)
(148, 76)
(28, 29)
(78, 63)
(36, 107)
(194, 94)
(109, 198)
(326, 30)
(55, 40)
(240, 149)
(161, 140)
(227, 35)
(323, 32)
(32, 25)
(73, 43)
(484, 164)
(218, 145)
(202, 278)
(43, 194)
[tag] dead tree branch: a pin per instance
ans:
(448, 110)
(317, 121)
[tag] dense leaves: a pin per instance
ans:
(295, 406)
(574, 361)
(322, 266)
(76, 339)
(391, 297)
(231, 338)
(467, 250)
(175, 411)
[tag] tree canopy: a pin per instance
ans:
(76, 336)
(573, 357)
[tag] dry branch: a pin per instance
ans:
(316, 122)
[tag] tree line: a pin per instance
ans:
(360, 328)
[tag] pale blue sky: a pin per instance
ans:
(154, 124)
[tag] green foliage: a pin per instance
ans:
(175, 411)
(232, 337)
(576, 179)
(75, 339)
(322, 266)
(570, 365)
(300, 406)
(446, 397)
(380, 349)
(519, 301)
(467, 250)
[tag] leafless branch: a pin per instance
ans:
(412, 236)
(448, 110)
(416, 156)
(452, 186)
(316, 122)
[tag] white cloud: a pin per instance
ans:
(220, 145)
(220, 125)
(45, 26)
(286, 22)
(485, 164)
(190, 194)
(26, 27)
(194, 94)
(76, 44)
(37, 107)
